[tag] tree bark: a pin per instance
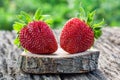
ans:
(59, 62)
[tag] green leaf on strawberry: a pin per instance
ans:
(89, 19)
(17, 26)
(27, 16)
(96, 27)
(98, 24)
(82, 14)
(38, 14)
(17, 42)
(97, 33)
(24, 17)
(47, 19)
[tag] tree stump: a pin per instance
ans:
(59, 62)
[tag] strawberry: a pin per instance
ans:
(36, 35)
(79, 34)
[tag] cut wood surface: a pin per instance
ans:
(59, 62)
(108, 66)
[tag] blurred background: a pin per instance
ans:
(60, 10)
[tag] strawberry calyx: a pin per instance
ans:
(89, 19)
(24, 18)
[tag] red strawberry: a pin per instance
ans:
(35, 35)
(38, 38)
(78, 36)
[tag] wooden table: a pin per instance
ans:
(109, 60)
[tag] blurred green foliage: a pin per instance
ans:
(60, 10)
